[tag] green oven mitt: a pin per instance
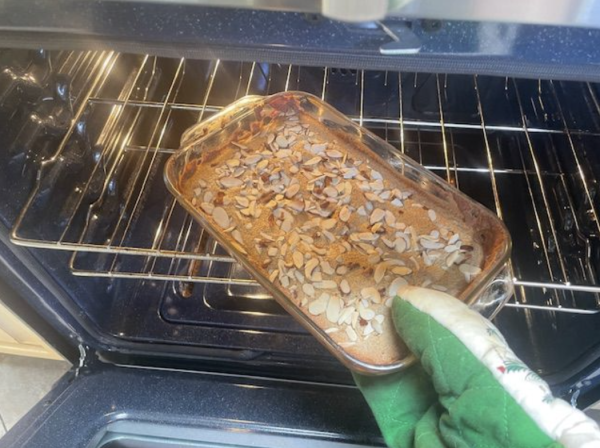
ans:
(469, 389)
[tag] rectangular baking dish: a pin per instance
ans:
(486, 292)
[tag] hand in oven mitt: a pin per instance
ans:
(469, 389)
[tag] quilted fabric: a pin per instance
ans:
(448, 400)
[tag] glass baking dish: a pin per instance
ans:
(244, 119)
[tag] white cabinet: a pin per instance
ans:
(17, 338)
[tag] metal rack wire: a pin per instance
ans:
(138, 129)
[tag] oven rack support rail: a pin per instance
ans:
(191, 255)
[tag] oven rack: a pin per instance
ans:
(178, 248)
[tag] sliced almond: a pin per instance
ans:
(328, 224)
(287, 224)
(402, 270)
(319, 306)
(385, 195)
(371, 293)
(242, 201)
(334, 154)
(312, 161)
(430, 244)
(251, 160)
(267, 237)
(387, 242)
(373, 197)
(310, 267)
(325, 284)
(366, 313)
(390, 219)
(346, 315)
(400, 245)
(318, 250)
(380, 272)
(308, 289)
(231, 182)
(331, 192)
(345, 286)
(207, 207)
(377, 215)
(326, 268)
(469, 269)
(377, 187)
(351, 334)
(334, 307)
(432, 215)
(342, 270)
(296, 205)
(281, 141)
(292, 190)
(355, 317)
(318, 147)
(350, 173)
(208, 196)
(330, 236)
(237, 236)
(298, 259)
(452, 258)
(395, 285)
(221, 217)
(345, 214)
(367, 236)
(377, 326)
(375, 258)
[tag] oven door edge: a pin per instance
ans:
(111, 406)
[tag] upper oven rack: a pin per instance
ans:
(176, 248)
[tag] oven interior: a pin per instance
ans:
(82, 189)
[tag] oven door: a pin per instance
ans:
(110, 406)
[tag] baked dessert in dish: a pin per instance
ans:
(332, 226)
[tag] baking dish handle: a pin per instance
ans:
(495, 294)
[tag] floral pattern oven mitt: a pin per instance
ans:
(469, 389)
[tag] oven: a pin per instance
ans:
(173, 343)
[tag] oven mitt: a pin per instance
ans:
(469, 389)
